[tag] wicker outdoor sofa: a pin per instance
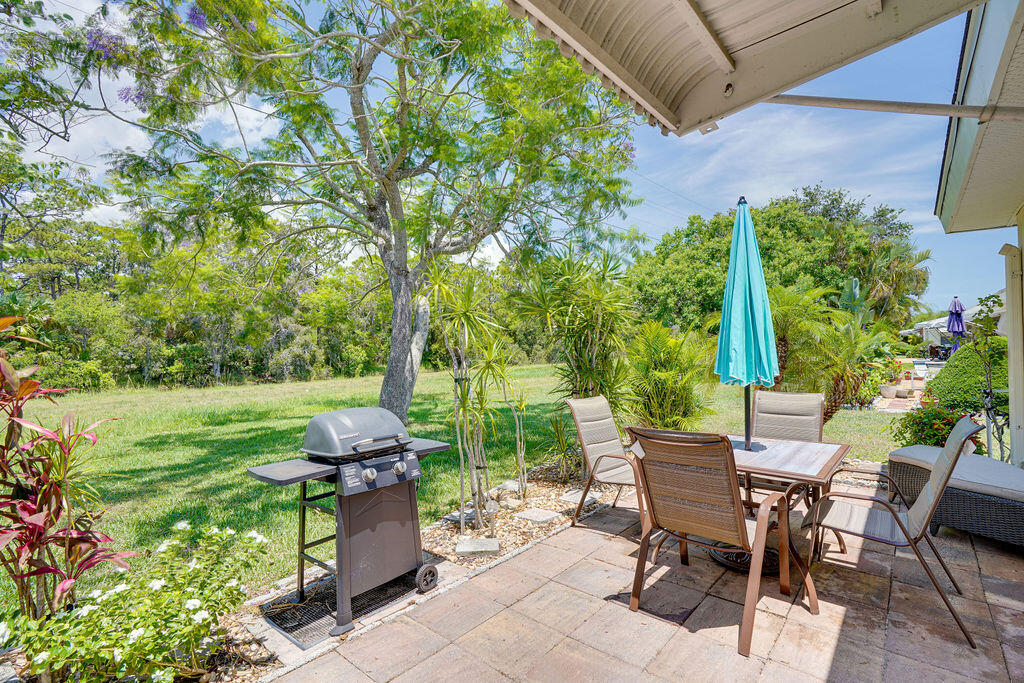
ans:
(984, 496)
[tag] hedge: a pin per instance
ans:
(959, 385)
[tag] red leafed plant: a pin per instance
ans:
(47, 508)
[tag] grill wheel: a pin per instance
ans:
(426, 578)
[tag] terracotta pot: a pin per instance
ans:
(888, 390)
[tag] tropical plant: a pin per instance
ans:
(160, 622)
(800, 318)
(849, 352)
(48, 508)
(897, 278)
(669, 377)
(586, 307)
(562, 447)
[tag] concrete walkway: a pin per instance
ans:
(558, 611)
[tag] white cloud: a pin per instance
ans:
(250, 119)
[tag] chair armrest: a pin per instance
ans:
(883, 475)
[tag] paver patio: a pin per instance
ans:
(558, 611)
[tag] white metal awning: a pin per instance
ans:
(982, 183)
(685, 64)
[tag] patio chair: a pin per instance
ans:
(884, 523)
(603, 454)
(689, 491)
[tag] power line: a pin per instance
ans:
(675, 192)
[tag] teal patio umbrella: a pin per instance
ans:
(746, 338)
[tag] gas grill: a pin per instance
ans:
(374, 465)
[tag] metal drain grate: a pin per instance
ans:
(308, 624)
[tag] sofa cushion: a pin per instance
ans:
(973, 472)
(922, 456)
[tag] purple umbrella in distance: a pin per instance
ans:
(955, 322)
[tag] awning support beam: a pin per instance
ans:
(706, 35)
(957, 111)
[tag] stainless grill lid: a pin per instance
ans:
(352, 432)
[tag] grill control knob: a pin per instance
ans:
(369, 474)
(399, 468)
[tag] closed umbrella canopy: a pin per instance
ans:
(955, 322)
(746, 338)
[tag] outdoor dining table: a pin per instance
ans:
(804, 466)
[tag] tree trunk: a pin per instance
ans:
(410, 320)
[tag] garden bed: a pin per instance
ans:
(544, 491)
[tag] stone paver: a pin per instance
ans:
(571, 660)
(456, 612)
(470, 547)
(393, 648)
(559, 611)
(558, 606)
(634, 637)
(573, 498)
(510, 642)
(451, 663)
(538, 515)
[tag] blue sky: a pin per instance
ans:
(769, 150)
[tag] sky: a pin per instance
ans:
(769, 150)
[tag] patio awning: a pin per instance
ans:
(982, 183)
(685, 64)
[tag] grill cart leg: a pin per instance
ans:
(301, 575)
(343, 623)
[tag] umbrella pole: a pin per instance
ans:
(746, 418)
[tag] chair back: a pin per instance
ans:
(924, 507)
(690, 484)
(783, 415)
(597, 433)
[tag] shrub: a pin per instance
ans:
(87, 375)
(189, 364)
(347, 357)
(562, 448)
(668, 377)
(926, 426)
(960, 384)
(869, 388)
(301, 359)
(160, 622)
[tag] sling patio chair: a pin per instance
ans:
(689, 490)
(884, 523)
(603, 454)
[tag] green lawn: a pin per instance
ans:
(182, 453)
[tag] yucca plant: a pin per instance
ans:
(669, 376)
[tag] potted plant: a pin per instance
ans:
(888, 390)
(928, 399)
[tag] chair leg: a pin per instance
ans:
(842, 543)
(657, 547)
(684, 554)
(617, 496)
(805, 572)
(753, 590)
(942, 562)
(641, 566)
(784, 544)
(942, 593)
(586, 490)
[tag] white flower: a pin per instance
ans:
(214, 530)
(135, 635)
(117, 655)
(201, 615)
(182, 526)
(95, 594)
(257, 537)
(85, 609)
(166, 545)
(120, 570)
(192, 565)
(229, 531)
(232, 583)
(162, 675)
(5, 632)
(119, 588)
(193, 604)
(41, 657)
(156, 584)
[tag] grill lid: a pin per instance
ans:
(354, 433)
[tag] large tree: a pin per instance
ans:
(414, 129)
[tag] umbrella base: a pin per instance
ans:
(740, 562)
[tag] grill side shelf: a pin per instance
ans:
(293, 471)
